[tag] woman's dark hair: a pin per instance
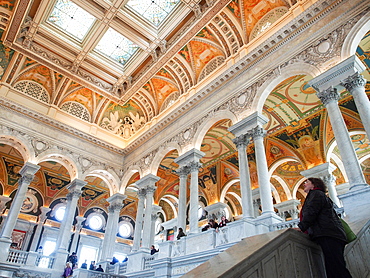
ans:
(318, 183)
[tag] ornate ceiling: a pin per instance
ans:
(106, 64)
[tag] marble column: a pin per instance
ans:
(181, 216)
(241, 143)
(329, 98)
(111, 229)
(289, 206)
(148, 182)
(64, 234)
(325, 172)
(139, 219)
(155, 210)
(36, 237)
(194, 196)
(27, 173)
(216, 211)
(76, 235)
(258, 133)
(191, 159)
(355, 85)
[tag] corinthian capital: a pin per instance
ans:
(258, 132)
(328, 95)
(183, 171)
(354, 81)
(26, 179)
(241, 141)
(194, 166)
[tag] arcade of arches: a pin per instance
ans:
(68, 109)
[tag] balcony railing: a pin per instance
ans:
(17, 256)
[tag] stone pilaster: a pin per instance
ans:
(139, 219)
(183, 173)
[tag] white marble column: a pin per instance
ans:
(289, 206)
(148, 182)
(76, 235)
(183, 172)
(258, 133)
(27, 173)
(111, 229)
(194, 197)
(355, 85)
(351, 164)
(241, 143)
(40, 223)
(155, 210)
(216, 211)
(191, 159)
(64, 234)
(139, 219)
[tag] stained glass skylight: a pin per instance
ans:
(153, 10)
(71, 18)
(116, 46)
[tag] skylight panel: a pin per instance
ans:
(71, 18)
(116, 46)
(153, 10)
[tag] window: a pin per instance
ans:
(116, 46)
(72, 19)
(154, 11)
(87, 253)
(125, 229)
(59, 212)
(95, 221)
(48, 247)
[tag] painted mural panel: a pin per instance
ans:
(83, 96)
(6, 53)
(41, 75)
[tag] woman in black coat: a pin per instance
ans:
(320, 221)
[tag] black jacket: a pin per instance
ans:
(319, 217)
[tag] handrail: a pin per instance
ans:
(17, 256)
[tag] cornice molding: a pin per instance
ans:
(17, 108)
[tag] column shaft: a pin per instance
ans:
(194, 202)
(139, 220)
(262, 171)
(148, 217)
(181, 216)
(241, 143)
(36, 236)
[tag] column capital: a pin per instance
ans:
(141, 193)
(242, 141)
(334, 75)
(318, 171)
(244, 126)
(194, 166)
(183, 171)
(147, 180)
(116, 198)
(354, 81)
(76, 184)
(29, 169)
(257, 132)
(329, 95)
(191, 155)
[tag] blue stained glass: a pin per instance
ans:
(153, 10)
(116, 46)
(71, 18)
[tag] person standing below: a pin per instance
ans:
(153, 250)
(73, 260)
(68, 272)
(84, 265)
(223, 222)
(180, 234)
(92, 265)
(99, 268)
(320, 221)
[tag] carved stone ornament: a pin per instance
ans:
(257, 133)
(354, 81)
(241, 141)
(328, 95)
